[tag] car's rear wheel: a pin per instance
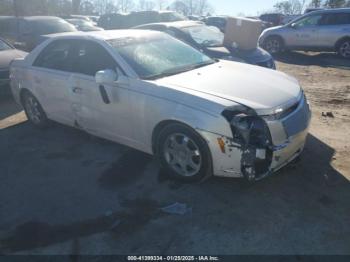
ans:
(34, 110)
(183, 153)
(344, 48)
(273, 45)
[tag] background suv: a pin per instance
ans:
(325, 30)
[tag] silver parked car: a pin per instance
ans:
(152, 92)
(325, 30)
(7, 54)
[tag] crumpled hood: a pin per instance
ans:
(261, 89)
(8, 55)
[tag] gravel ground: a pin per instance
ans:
(65, 192)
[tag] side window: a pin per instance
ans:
(342, 19)
(91, 58)
(56, 56)
(336, 19)
(309, 21)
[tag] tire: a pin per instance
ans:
(273, 45)
(183, 153)
(343, 48)
(34, 111)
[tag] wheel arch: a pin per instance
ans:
(161, 125)
(277, 36)
(22, 92)
(339, 41)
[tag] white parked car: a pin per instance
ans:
(151, 92)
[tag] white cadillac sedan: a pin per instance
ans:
(151, 92)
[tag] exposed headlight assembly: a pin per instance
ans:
(252, 134)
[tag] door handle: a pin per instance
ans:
(77, 90)
(104, 95)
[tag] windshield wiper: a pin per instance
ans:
(176, 71)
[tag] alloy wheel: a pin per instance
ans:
(182, 154)
(33, 110)
(273, 46)
(344, 49)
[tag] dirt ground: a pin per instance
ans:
(65, 192)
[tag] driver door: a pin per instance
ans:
(103, 110)
(305, 32)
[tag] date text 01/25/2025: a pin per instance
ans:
(173, 258)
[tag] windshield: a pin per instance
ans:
(206, 35)
(4, 46)
(158, 56)
(53, 26)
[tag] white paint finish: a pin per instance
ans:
(259, 88)
(196, 98)
(52, 90)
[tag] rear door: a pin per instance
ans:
(50, 77)
(102, 110)
(333, 26)
(305, 32)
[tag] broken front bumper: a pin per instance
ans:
(288, 137)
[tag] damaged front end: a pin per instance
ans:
(251, 136)
(256, 145)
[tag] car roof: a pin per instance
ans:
(334, 10)
(32, 18)
(104, 35)
(177, 24)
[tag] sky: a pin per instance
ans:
(246, 7)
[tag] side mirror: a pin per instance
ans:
(107, 76)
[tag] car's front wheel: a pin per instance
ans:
(34, 111)
(273, 45)
(344, 48)
(183, 153)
